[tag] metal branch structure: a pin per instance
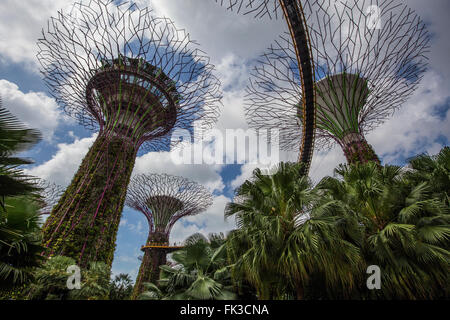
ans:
(163, 199)
(50, 194)
(135, 79)
(294, 14)
(257, 8)
(369, 57)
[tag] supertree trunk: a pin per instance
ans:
(163, 199)
(358, 150)
(134, 78)
(367, 59)
(153, 258)
(84, 223)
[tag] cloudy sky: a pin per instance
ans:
(233, 42)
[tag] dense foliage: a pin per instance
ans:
(435, 171)
(121, 287)
(52, 278)
(296, 241)
(84, 223)
(403, 228)
(285, 239)
(201, 272)
(19, 217)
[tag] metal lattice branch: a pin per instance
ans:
(164, 199)
(364, 73)
(134, 77)
(50, 194)
(166, 82)
(258, 8)
(295, 12)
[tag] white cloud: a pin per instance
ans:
(123, 222)
(435, 14)
(324, 163)
(210, 221)
(21, 23)
(219, 32)
(233, 40)
(35, 109)
(233, 74)
(64, 163)
(137, 228)
(161, 162)
(246, 173)
(416, 127)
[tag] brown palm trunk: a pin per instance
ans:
(300, 292)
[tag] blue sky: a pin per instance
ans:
(233, 42)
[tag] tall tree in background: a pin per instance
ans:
(163, 199)
(367, 57)
(133, 78)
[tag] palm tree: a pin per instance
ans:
(284, 240)
(94, 283)
(200, 272)
(14, 138)
(435, 170)
(405, 230)
(20, 242)
(121, 287)
(51, 281)
(19, 218)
